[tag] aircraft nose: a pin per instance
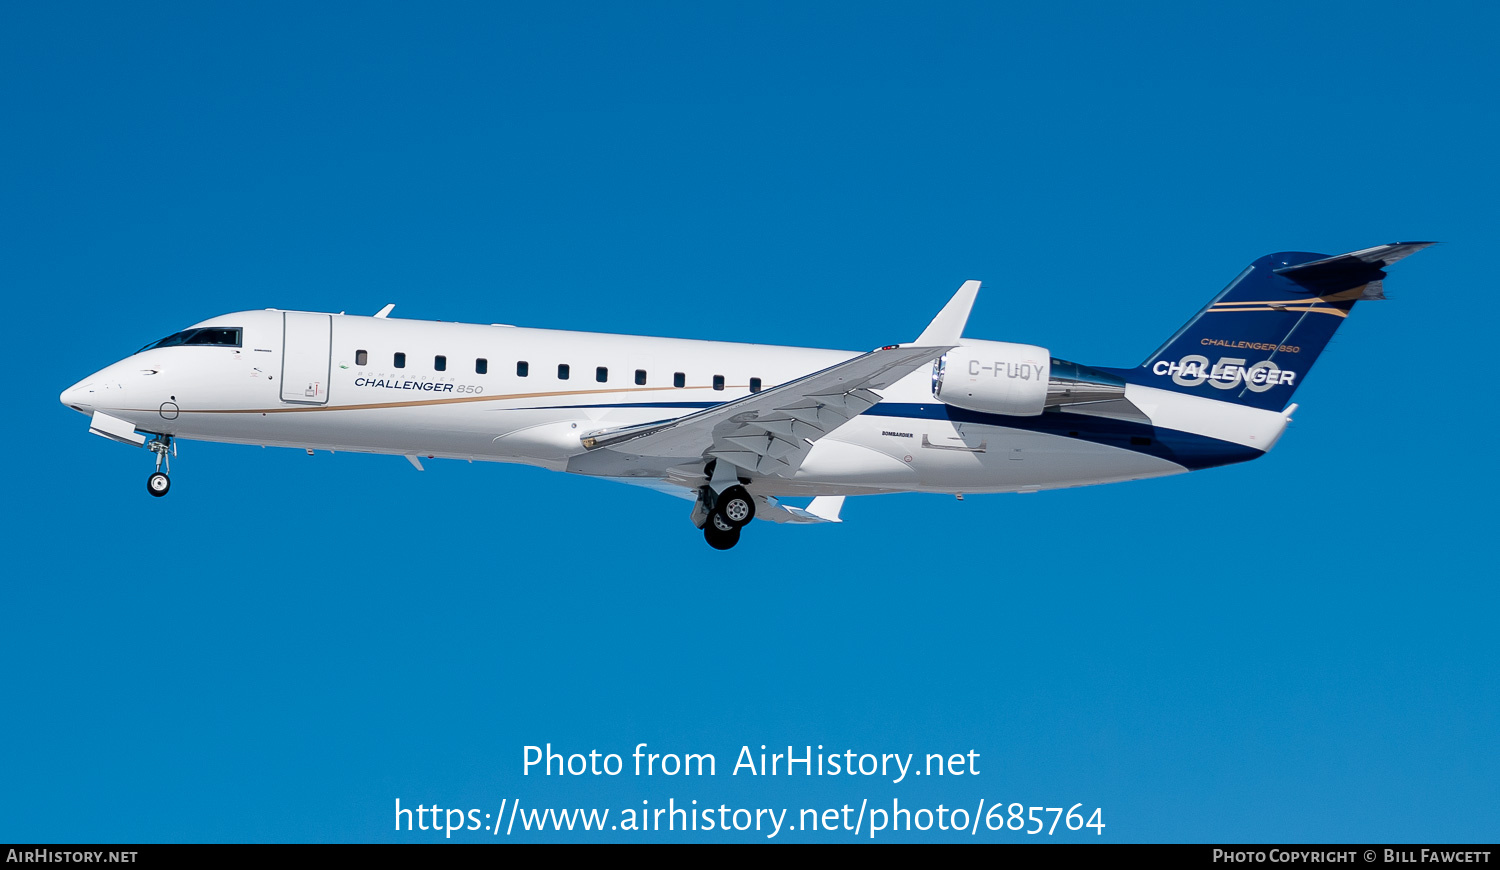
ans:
(77, 397)
(102, 391)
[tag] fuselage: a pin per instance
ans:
(510, 394)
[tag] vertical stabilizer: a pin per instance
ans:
(1256, 341)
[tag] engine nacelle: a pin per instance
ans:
(996, 377)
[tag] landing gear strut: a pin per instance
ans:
(158, 483)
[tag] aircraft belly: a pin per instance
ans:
(838, 460)
(1031, 460)
(529, 435)
(940, 456)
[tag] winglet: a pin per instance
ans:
(386, 311)
(824, 509)
(948, 327)
(827, 507)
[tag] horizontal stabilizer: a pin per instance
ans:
(1355, 267)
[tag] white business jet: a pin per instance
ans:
(737, 428)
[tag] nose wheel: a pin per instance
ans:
(158, 483)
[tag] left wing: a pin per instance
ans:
(772, 432)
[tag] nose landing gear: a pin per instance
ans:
(158, 483)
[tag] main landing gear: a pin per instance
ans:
(728, 512)
(158, 483)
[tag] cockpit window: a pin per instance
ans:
(218, 336)
(213, 336)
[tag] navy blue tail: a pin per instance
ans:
(1257, 340)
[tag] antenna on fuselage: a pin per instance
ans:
(385, 312)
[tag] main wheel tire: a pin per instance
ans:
(158, 484)
(736, 505)
(718, 538)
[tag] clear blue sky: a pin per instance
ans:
(1300, 648)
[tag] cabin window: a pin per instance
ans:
(679, 379)
(440, 363)
(755, 385)
(523, 368)
(481, 366)
(562, 371)
(601, 374)
(399, 361)
(718, 382)
(361, 357)
(640, 377)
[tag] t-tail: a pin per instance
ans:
(1256, 341)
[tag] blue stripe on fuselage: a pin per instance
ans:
(1187, 449)
(1184, 448)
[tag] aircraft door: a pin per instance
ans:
(306, 355)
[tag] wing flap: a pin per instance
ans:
(789, 429)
